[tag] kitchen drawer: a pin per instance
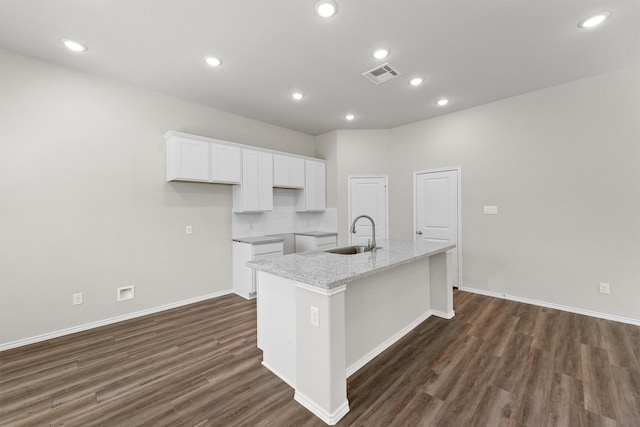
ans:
(267, 248)
(325, 240)
(267, 255)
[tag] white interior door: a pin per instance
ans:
(368, 196)
(436, 212)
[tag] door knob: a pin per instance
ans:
(419, 232)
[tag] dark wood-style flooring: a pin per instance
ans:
(497, 363)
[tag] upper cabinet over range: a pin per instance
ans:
(288, 171)
(253, 171)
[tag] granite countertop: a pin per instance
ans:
(316, 233)
(326, 270)
(259, 240)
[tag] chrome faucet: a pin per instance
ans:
(372, 243)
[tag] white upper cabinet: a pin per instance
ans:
(253, 171)
(288, 171)
(191, 159)
(255, 194)
(226, 163)
(187, 160)
(313, 197)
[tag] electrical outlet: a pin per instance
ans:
(490, 210)
(605, 288)
(315, 316)
(126, 292)
(77, 298)
(188, 230)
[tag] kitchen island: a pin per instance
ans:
(322, 316)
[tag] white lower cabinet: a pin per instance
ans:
(306, 243)
(244, 281)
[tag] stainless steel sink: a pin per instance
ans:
(350, 250)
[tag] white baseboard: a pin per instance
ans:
(87, 326)
(244, 295)
(386, 344)
(570, 309)
(448, 316)
(330, 418)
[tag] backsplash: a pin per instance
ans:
(283, 219)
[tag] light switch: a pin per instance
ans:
(77, 298)
(188, 230)
(491, 210)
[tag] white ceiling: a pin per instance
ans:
(471, 51)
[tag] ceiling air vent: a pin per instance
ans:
(381, 73)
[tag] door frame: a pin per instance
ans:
(458, 170)
(386, 181)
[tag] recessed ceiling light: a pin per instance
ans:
(74, 45)
(416, 81)
(380, 53)
(350, 117)
(297, 96)
(326, 8)
(213, 61)
(442, 102)
(594, 20)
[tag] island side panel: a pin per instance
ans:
(321, 383)
(382, 308)
(277, 325)
(441, 289)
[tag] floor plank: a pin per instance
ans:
(496, 363)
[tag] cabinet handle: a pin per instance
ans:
(419, 232)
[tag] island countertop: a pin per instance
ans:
(326, 270)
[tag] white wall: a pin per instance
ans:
(359, 152)
(563, 166)
(84, 206)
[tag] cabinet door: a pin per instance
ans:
(288, 171)
(309, 185)
(256, 191)
(305, 243)
(296, 172)
(313, 196)
(226, 164)
(242, 275)
(315, 186)
(187, 160)
(281, 171)
(250, 181)
(265, 181)
(320, 202)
